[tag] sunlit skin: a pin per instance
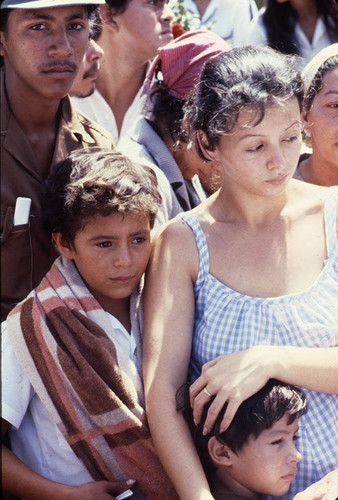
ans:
(265, 465)
(111, 254)
(84, 83)
(146, 25)
(43, 49)
(263, 158)
(321, 121)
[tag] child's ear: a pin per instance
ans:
(63, 247)
(220, 453)
(203, 144)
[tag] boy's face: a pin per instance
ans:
(43, 49)
(268, 464)
(111, 254)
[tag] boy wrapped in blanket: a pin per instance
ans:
(72, 394)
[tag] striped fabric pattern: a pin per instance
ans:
(227, 321)
(92, 393)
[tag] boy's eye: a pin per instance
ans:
(296, 437)
(139, 240)
(104, 244)
(278, 441)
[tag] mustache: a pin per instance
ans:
(92, 68)
(59, 64)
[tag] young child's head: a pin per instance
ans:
(100, 208)
(249, 79)
(257, 453)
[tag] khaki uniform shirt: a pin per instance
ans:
(26, 250)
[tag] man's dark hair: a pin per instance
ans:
(255, 414)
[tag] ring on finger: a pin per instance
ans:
(207, 392)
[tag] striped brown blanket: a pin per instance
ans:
(91, 390)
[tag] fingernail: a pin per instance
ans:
(205, 431)
(130, 482)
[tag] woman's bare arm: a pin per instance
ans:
(169, 320)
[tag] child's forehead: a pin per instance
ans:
(115, 222)
(283, 425)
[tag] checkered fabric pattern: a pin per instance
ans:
(227, 321)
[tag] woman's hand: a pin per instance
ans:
(231, 378)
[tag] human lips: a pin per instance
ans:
(276, 181)
(123, 280)
(59, 69)
(92, 72)
(290, 476)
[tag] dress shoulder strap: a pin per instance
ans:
(331, 220)
(202, 247)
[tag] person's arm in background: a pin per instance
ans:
(245, 11)
(169, 321)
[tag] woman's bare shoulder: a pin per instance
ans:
(175, 243)
(307, 197)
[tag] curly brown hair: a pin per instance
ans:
(95, 182)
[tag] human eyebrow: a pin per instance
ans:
(39, 16)
(331, 92)
(296, 122)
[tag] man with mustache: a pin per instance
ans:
(84, 83)
(42, 46)
(132, 31)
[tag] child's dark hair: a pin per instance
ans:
(243, 78)
(317, 81)
(255, 414)
(94, 182)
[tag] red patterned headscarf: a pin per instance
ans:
(181, 61)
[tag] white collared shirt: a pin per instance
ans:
(307, 50)
(231, 18)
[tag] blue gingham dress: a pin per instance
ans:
(227, 321)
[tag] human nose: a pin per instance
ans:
(94, 51)
(167, 14)
(122, 257)
(276, 159)
(294, 454)
(61, 45)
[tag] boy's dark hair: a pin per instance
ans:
(95, 182)
(255, 414)
(243, 78)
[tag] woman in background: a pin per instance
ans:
(302, 27)
(320, 119)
